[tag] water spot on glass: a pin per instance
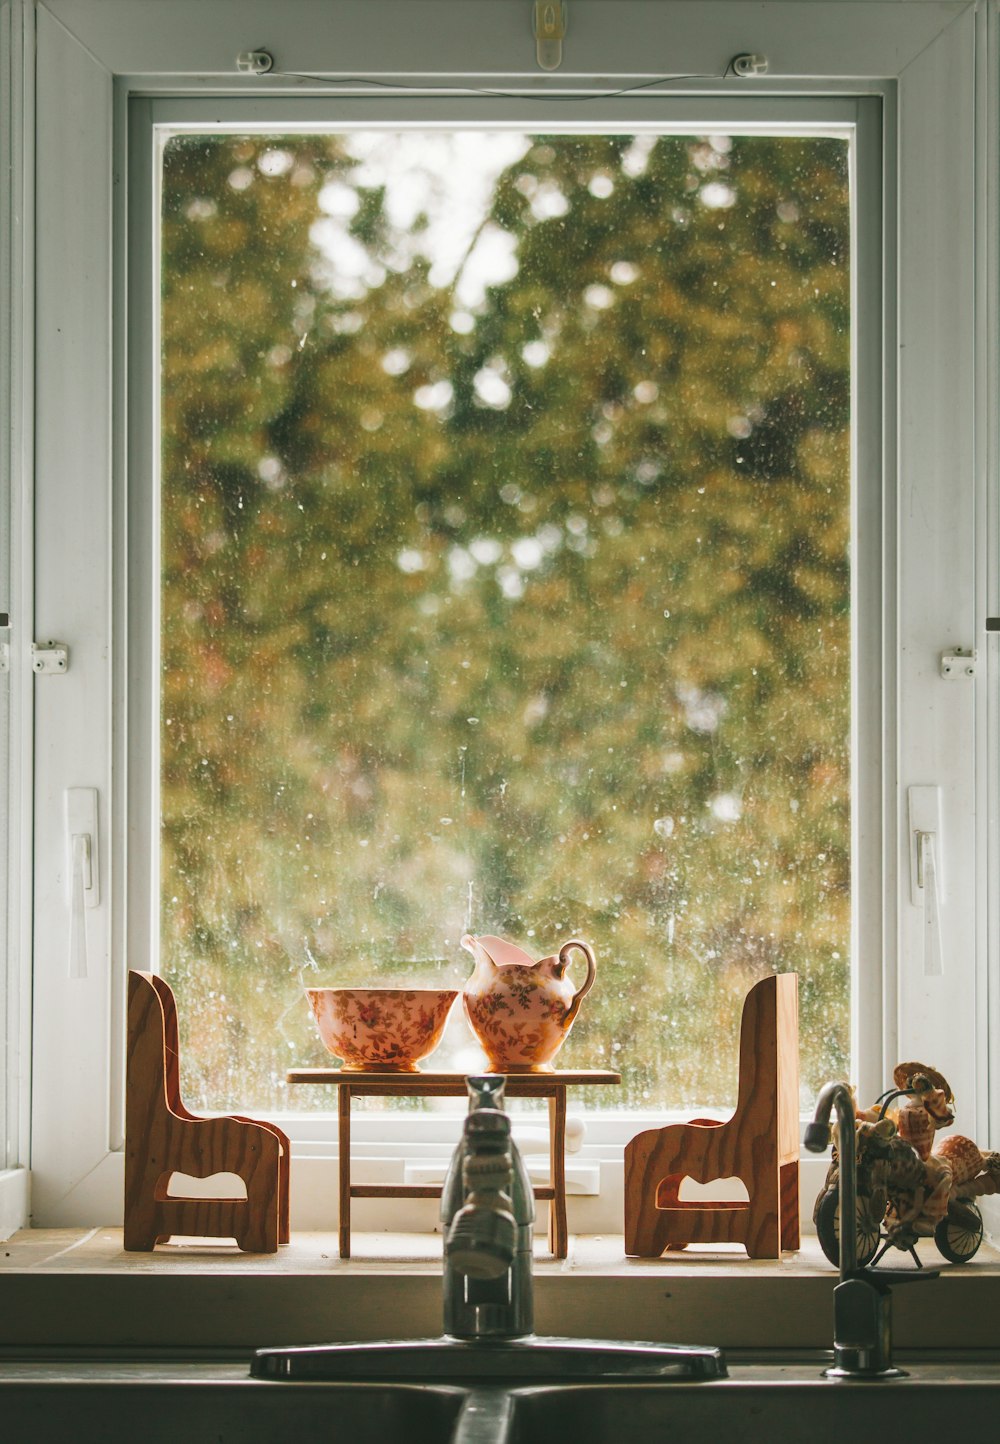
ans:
(664, 827)
(491, 387)
(436, 396)
(726, 807)
(599, 297)
(339, 200)
(275, 162)
(486, 550)
(396, 361)
(528, 552)
(535, 353)
(624, 273)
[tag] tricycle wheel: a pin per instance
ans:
(960, 1232)
(828, 1230)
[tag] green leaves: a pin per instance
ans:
(527, 614)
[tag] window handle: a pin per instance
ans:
(926, 871)
(83, 871)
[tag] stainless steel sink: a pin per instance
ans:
(99, 1404)
(511, 1360)
(215, 1403)
(756, 1406)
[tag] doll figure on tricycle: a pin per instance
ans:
(910, 1185)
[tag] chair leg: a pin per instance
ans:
(789, 1186)
(140, 1224)
(284, 1181)
(260, 1221)
(259, 1236)
(284, 1173)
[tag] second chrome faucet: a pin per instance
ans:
(862, 1301)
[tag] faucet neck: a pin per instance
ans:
(838, 1096)
(487, 1209)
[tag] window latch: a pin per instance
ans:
(49, 658)
(958, 663)
(550, 32)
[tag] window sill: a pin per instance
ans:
(67, 1289)
(13, 1200)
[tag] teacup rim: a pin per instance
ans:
(437, 992)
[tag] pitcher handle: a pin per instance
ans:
(588, 981)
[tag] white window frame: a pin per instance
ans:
(16, 136)
(933, 67)
(388, 1144)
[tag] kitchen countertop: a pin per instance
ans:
(70, 1288)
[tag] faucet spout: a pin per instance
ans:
(487, 1211)
(817, 1136)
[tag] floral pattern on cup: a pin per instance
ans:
(521, 1011)
(381, 1030)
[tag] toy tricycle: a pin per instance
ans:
(906, 1188)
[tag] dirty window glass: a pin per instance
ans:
(505, 505)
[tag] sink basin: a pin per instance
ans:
(510, 1360)
(757, 1407)
(99, 1403)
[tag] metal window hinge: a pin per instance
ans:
(959, 663)
(4, 644)
(49, 657)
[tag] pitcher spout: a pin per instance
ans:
(485, 966)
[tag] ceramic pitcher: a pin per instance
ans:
(521, 1011)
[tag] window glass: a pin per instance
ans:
(505, 564)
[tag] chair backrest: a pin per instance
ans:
(171, 1043)
(769, 1056)
(145, 1059)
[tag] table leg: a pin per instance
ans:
(344, 1142)
(558, 1229)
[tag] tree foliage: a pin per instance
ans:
(528, 615)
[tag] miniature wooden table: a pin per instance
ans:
(451, 1085)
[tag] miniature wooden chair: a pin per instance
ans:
(162, 1138)
(759, 1145)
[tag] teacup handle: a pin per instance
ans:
(588, 981)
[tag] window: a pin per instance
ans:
(504, 527)
(921, 483)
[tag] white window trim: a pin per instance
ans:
(788, 113)
(935, 65)
(16, 461)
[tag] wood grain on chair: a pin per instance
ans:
(163, 1138)
(759, 1145)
